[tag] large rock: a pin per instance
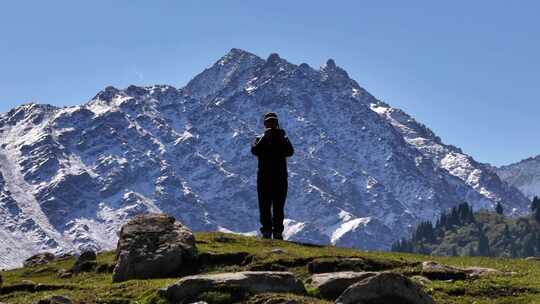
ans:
(154, 246)
(385, 287)
(331, 285)
(250, 282)
(39, 259)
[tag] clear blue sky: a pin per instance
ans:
(467, 69)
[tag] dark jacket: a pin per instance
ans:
(272, 149)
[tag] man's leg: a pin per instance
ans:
(264, 207)
(278, 204)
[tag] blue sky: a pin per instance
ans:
(467, 69)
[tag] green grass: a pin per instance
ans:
(524, 287)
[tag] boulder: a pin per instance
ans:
(154, 246)
(85, 262)
(331, 285)
(247, 282)
(55, 300)
(39, 259)
(385, 287)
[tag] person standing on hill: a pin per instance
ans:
(272, 149)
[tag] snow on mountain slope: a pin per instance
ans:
(480, 177)
(524, 175)
(363, 174)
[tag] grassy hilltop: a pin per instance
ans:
(97, 287)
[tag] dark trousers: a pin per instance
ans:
(272, 193)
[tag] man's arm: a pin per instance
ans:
(257, 146)
(288, 149)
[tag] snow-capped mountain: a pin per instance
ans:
(524, 175)
(363, 173)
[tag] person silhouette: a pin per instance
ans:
(272, 149)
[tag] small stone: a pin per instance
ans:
(278, 251)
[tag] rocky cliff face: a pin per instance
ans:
(524, 175)
(363, 174)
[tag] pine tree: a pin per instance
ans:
(513, 250)
(528, 245)
(535, 208)
(499, 209)
(471, 251)
(506, 232)
(453, 218)
(483, 244)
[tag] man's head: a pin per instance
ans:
(271, 120)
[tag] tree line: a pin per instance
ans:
(461, 231)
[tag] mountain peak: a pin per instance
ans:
(236, 56)
(331, 71)
(106, 94)
(273, 58)
(331, 64)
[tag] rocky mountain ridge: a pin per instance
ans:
(524, 175)
(364, 174)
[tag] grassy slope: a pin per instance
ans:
(98, 288)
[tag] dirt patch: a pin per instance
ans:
(278, 299)
(353, 264)
(31, 287)
(207, 259)
(387, 300)
(491, 291)
(279, 264)
(105, 268)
